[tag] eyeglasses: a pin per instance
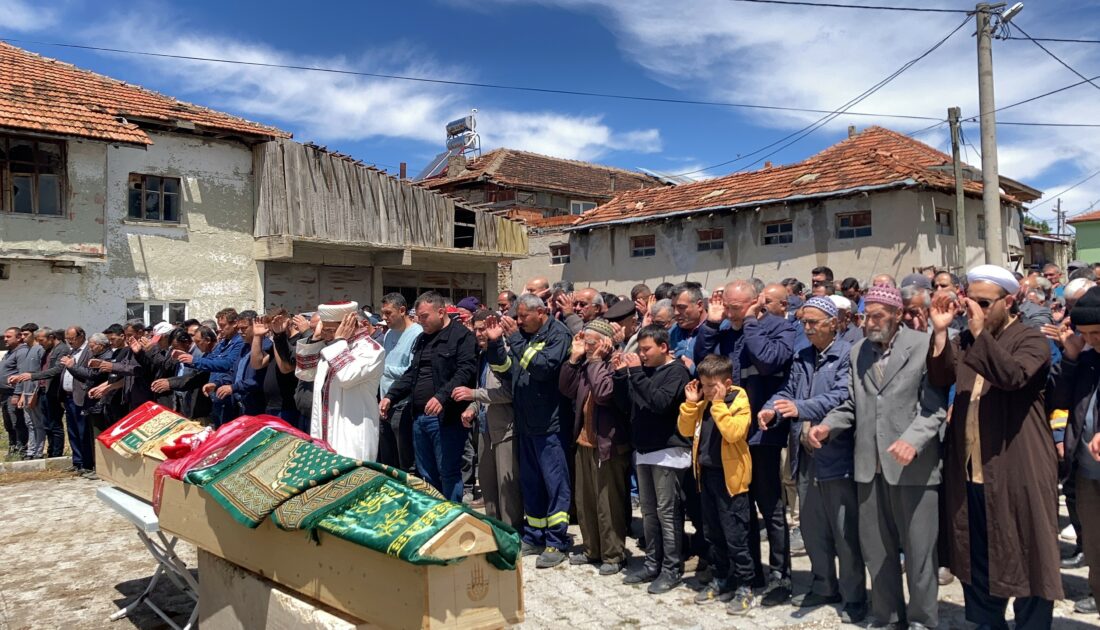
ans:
(813, 323)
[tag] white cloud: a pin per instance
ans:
(821, 58)
(330, 107)
(22, 16)
(574, 137)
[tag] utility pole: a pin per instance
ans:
(953, 114)
(991, 184)
(1061, 218)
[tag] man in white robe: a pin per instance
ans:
(345, 365)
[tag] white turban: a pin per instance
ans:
(336, 311)
(997, 275)
(842, 303)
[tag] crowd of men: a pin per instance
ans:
(919, 430)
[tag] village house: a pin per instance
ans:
(1087, 229)
(547, 193)
(877, 202)
(117, 202)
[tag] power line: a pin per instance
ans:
(837, 5)
(568, 92)
(792, 138)
(1055, 57)
(1054, 39)
(1033, 98)
(1046, 201)
(492, 86)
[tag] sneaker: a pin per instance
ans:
(777, 592)
(1068, 534)
(73, 469)
(640, 577)
(91, 476)
(527, 549)
(712, 592)
(813, 600)
(578, 559)
(664, 583)
(854, 613)
(550, 558)
(1085, 606)
(742, 602)
(1073, 561)
(944, 576)
(611, 568)
(797, 546)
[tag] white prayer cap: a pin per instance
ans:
(997, 275)
(336, 311)
(163, 328)
(842, 303)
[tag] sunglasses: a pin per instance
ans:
(984, 303)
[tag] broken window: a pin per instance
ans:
(153, 313)
(778, 232)
(32, 175)
(559, 254)
(711, 239)
(154, 198)
(465, 228)
(943, 222)
(643, 246)
(853, 225)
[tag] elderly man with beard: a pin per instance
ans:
(760, 345)
(1001, 470)
(897, 414)
(818, 382)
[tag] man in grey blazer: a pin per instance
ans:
(897, 416)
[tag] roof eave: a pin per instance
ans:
(905, 183)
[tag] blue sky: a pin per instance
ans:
(715, 50)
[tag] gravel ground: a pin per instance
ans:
(68, 561)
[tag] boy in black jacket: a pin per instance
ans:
(649, 386)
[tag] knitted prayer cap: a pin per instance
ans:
(823, 304)
(601, 326)
(888, 296)
(1086, 311)
(336, 311)
(842, 303)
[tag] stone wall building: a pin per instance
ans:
(117, 202)
(877, 202)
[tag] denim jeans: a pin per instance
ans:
(439, 447)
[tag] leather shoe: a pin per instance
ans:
(610, 568)
(527, 549)
(853, 613)
(641, 577)
(917, 626)
(578, 559)
(1085, 606)
(1074, 561)
(664, 583)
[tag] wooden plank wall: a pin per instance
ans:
(305, 192)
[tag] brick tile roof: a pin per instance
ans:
(876, 157)
(1090, 216)
(522, 169)
(45, 95)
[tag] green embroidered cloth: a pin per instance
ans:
(389, 511)
(266, 470)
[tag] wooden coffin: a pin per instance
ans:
(132, 474)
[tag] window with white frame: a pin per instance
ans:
(559, 254)
(944, 226)
(154, 198)
(580, 207)
(981, 227)
(853, 225)
(643, 246)
(778, 232)
(711, 239)
(153, 313)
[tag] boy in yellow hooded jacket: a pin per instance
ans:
(716, 415)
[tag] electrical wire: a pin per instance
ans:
(838, 5)
(491, 86)
(1055, 57)
(798, 135)
(1055, 39)
(1046, 201)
